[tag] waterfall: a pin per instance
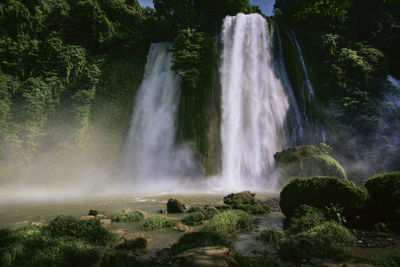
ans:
(254, 105)
(394, 82)
(151, 159)
(309, 100)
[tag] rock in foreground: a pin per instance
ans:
(175, 206)
(244, 197)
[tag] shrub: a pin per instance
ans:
(34, 246)
(272, 236)
(256, 208)
(194, 218)
(229, 221)
(244, 197)
(90, 231)
(158, 222)
(127, 217)
(384, 197)
(304, 219)
(326, 241)
(321, 192)
(194, 209)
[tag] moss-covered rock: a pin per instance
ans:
(244, 197)
(322, 192)
(326, 241)
(175, 206)
(307, 161)
(305, 218)
(384, 197)
(158, 222)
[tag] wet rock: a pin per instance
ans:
(182, 228)
(145, 214)
(120, 232)
(205, 256)
(105, 221)
(137, 244)
(88, 217)
(100, 215)
(175, 206)
(163, 212)
(38, 224)
(307, 161)
(127, 211)
(273, 203)
(93, 213)
(244, 197)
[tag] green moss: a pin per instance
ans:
(257, 208)
(384, 197)
(194, 218)
(326, 241)
(158, 222)
(304, 219)
(90, 231)
(135, 216)
(245, 197)
(65, 242)
(307, 161)
(272, 236)
(321, 192)
(229, 222)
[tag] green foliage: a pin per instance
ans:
(193, 52)
(158, 222)
(257, 208)
(229, 222)
(55, 58)
(90, 231)
(272, 236)
(384, 197)
(326, 241)
(320, 192)
(194, 218)
(127, 217)
(245, 197)
(305, 218)
(32, 246)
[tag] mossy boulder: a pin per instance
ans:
(175, 206)
(322, 192)
(307, 161)
(244, 197)
(384, 197)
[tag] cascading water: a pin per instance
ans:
(254, 105)
(151, 159)
(308, 96)
(394, 82)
